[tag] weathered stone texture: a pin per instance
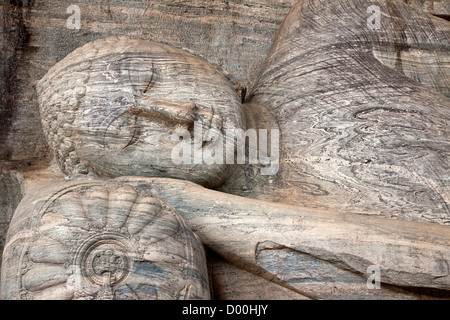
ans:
(440, 8)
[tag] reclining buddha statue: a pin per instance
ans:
(357, 118)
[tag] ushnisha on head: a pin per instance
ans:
(111, 107)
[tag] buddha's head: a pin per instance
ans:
(111, 108)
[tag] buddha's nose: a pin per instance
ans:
(169, 112)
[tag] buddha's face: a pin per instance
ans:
(134, 100)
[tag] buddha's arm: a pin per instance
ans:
(244, 230)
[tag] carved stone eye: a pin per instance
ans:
(101, 240)
(121, 131)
